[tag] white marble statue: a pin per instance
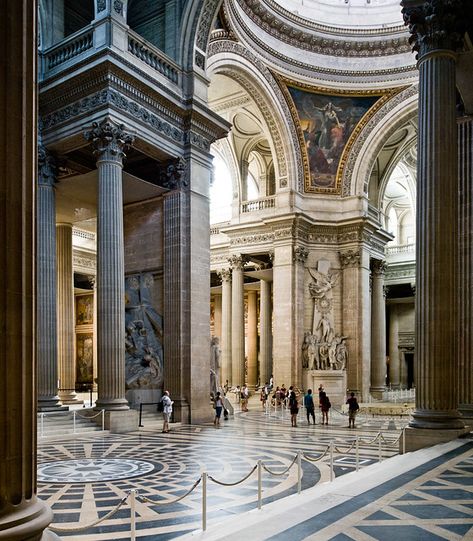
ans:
(215, 364)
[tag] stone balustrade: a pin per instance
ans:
(258, 204)
(152, 56)
(69, 48)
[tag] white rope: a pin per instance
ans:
(166, 502)
(236, 482)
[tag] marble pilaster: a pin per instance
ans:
(465, 268)
(252, 338)
(238, 320)
(65, 315)
(46, 309)
(394, 357)
(436, 33)
(266, 356)
(356, 318)
(378, 329)
(23, 516)
(109, 141)
(226, 341)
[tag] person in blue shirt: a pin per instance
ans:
(309, 405)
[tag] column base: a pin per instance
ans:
(436, 419)
(51, 404)
(69, 398)
(377, 392)
(48, 535)
(420, 438)
(120, 422)
(117, 404)
(467, 413)
(25, 522)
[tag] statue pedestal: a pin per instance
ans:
(333, 381)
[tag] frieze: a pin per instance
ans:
(256, 238)
(270, 21)
(205, 23)
(238, 49)
(111, 97)
(80, 260)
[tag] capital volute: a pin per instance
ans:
(435, 24)
(47, 167)
(109, 140)
(350, 258)
(237, 262)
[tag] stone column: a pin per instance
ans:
(226, 341)
(110, 141)
(265, 314)
(394, 357)
(356, 318)
(378, 329)
(238, 321)
(218, 316)
(48, 399)
(465, 268)
(299, 258)
(23, 516)
(65, 315)
(252, 338)
(436, 33)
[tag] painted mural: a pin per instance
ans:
(144, 335)
(84, 358)
(326, 123)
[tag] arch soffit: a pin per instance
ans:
(397, 161)
(226, 151)
(396, 112)
(235, 61)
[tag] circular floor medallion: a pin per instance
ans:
(93, 470)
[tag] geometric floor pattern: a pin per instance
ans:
(164, 466)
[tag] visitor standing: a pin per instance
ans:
(167, 410)
(324, 406)
(245, 394)
(353, 408)
(218, 403)
(309, 406)
(294, 408)
(263, 397)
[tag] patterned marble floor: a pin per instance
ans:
(84, 478)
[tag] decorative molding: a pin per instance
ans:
(118, 7)
(174, 174)
(101, 5)
(84, 261)
(299, 254)
(237, 262)
(225, 275)
(350, 258)
(205, 23)
(277, 23)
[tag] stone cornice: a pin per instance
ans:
(293, 30)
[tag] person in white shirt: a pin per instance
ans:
(167, 410)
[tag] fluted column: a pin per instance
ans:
(394, 357)
(226, 339)
(110, 141)
(436, 33)
(46, 284)
(238, 321)
(252, 337)
(265, 312)
(218, 316)
(465, 268)
(65, 314)
(23, 516)
(378, 329)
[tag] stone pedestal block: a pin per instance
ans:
(333, 381)
(120, 421)
(418, 438)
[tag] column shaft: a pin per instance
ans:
(226, 341)
(23, 515)
(266, 358)
(378, 330)
(238, 322)
(218, 316)
(252, 338)
(394, 357)
(46, 309)
(65, 314)
(437, 204)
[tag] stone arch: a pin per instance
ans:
(397, 111)
(238, 63)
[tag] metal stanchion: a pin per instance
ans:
(42, 424)
(103, 420)
(260, 487)
(331, 461)
(74, 421)
(299, 472)
(357, 447)
(379, 449)
(204, 501)
(404, 441)
(133, 513)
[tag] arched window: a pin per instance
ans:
(221, 192)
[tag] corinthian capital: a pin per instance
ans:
(110, 140)
(435, 24)
(299, 254)
(225, 275)
(378, 267)
(237, 262)
(350, 258)
(47, 167)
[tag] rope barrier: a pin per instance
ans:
(166, 502)
(98, 521)
(237, 482)
(347, 451)
(88, 416)
(316, 459)
(280, 473)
